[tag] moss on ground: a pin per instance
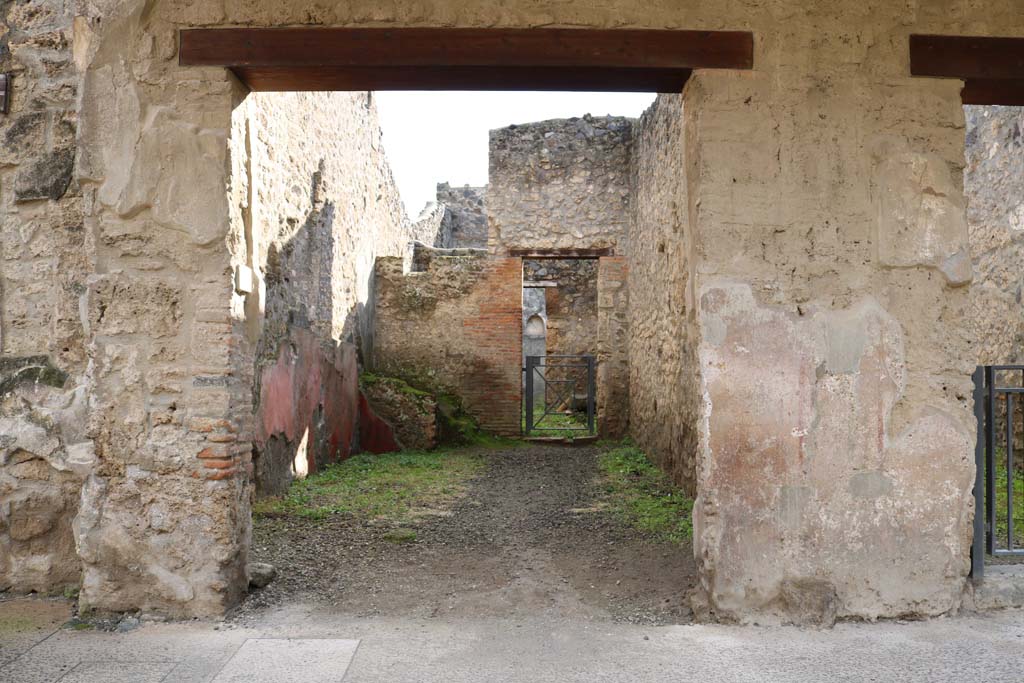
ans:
(644, 497)
(389, 487)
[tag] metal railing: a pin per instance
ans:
(559, 377)
(995, 389)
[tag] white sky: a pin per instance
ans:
(435, 137)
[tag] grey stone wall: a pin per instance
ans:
(664, 377)
(560, 184)
(46, 257)
(571, 305)
(994, 186)
(465, 219)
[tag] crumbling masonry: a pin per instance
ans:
(795, 278)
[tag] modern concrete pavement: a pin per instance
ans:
(307, 645)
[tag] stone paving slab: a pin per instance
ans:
(310, 660)
(26, 622)
(118, 672)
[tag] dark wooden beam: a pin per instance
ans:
(464, 59)
(966, 57)
(992, 69)
(1006, 91)
(538, 254)
(462, 78)
(432, 47)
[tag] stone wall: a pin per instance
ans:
(612, 346)
(825, 202)
(560, 184)
(571, 305)
(835, 465)
(994, 185)
(46, 257)
(455, 329)
(465, 217)
(665, 400)
(314, 203)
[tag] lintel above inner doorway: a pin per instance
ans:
(626, 60)
(992, 69)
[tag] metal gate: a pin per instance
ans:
(559, 395)
(999, 482)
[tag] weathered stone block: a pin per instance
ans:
(48, 177)
(119, 305)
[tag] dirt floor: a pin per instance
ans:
(530, 538)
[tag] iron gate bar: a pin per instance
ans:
(582, 369)
(986, 391)
(980, 450)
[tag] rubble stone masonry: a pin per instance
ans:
(465, 216)
(665, 400)
(455, 330)
(994, 184)
(561, 184)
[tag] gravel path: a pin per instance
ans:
(529, 539)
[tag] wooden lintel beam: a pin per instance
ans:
(966, 57)
(462, 78)
(465, 47)
(538, 254)
(1005, 91)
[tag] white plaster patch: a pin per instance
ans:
(921, 215)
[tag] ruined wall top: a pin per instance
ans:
(465, 217)
(560, 184)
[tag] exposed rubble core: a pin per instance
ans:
(560, 184)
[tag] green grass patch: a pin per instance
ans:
(644, 497)
(400, 536)
(1002, 526)
(390, 487)
(557, 425)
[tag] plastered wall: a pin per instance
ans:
(313, 203)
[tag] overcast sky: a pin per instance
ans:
(434, 137)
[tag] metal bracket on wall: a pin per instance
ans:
(5, 93)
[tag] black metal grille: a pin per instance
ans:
(998, 389)
(562, 383)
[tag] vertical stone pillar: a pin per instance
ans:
(612, 347)
(164, 518)
(834, 468)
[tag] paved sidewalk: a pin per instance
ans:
(297, 644)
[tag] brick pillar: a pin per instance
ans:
(834, 469)
(494, 334)
(612, 347)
